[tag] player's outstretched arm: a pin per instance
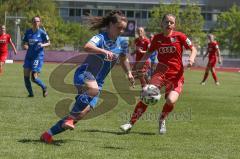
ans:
(193, 54)
(126, 67)
(13, 46)
(219, 56)
(92, 49)
(205, 55)
(45, 44)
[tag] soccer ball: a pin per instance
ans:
(150, 94)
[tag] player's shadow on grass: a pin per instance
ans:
(116, 132)
(54, 143)
(113, 148)
(33, 141)
(9, 96)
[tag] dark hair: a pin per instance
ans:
(37, 16)
(101, 22)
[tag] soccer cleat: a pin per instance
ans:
(162, 127)
(203, 83)
(68, 124)
(46, 137)
(126, 127)
(217, 83)
(45, 92)
(30, 95)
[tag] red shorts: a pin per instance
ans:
(212, 62)
(170, 85)
(3, 57)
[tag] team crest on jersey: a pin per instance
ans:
(110, 44)
(188, 42)
(173, 40)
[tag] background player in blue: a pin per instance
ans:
(35, 39)
(153, 58)
(104, 49)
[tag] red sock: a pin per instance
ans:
(205, 77)
(167, 108)
(138, 111)
(214, 76)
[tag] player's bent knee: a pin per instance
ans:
(172, 98)
(93, 92)
(92, 88)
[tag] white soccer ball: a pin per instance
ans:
(150, 94)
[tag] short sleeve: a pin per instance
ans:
(25, 37)
(152, 45)
(217, 46)
(124, 43)
(186, 42)
(45, 36)
(8, 39)
(96, 40)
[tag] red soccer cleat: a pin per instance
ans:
(46, 137)
(68, 124)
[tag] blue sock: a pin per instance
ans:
(39, 82)
(28, 85)
(57, 128)
(82, 101)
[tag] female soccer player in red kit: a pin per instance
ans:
(169, 72)
(213, 53)
(5, 39)
(141, 45)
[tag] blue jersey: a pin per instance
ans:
(96, 63)
(153, 57)
(34, 39)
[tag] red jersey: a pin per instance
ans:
(143, 44)
(4, 41)
(170, 49)
(212, 50)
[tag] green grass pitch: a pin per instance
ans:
(203, 125)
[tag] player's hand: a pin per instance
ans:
(220, 62)
(109, 56)
(190, 63)
(131, 78)
(25, 47)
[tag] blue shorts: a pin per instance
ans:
(33, 64)
(80, 76)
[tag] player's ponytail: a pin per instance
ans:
(101, 22)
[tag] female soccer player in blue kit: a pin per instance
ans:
(104, 49)
(35, 39)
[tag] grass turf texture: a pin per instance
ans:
(204, 124)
